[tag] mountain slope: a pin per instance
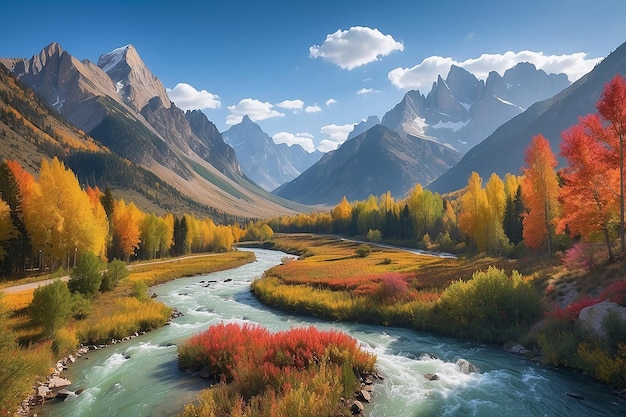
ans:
(127, 110)
(461, 110)
(503, 151)
(374, 162)
(266, 163)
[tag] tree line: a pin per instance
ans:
(543, 209)
(50, 222)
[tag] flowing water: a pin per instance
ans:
(141, 377)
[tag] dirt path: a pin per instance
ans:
(34, 285)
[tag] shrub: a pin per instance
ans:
(81, 307)
(374, 235)
(363, 250)
(116, 271)
(300, 372)
(86, 277)
(140, 290)
(51, 306)
(489, 307)
(579, 257)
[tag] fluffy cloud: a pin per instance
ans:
(303, 139)
(422, 75)
(337, 134)
(313, 109)
(254, 109)
(355, 47)
(293, 105)
(365, 91)
(326, 145)
(188, 98)
(330, 101)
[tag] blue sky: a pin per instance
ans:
(307, 71)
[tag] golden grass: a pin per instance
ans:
(163, 271)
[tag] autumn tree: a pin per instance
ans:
(590, 191)
(126, 228)
(426, 208)
(497, 241)
(540, 191)
(612, 107)
(61, 218)
(474, 214)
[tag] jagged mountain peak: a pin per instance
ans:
(462, 110)
(132, 78)
(268, 164)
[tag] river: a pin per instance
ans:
(141, 377)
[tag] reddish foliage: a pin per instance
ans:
(233, 352)
(571, 312)
(615, 292)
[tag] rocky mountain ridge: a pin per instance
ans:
(462, 110)
(266, 163)
(503, 151)
(127, 110)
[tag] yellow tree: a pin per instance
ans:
(167, 238)
(101, 220)
(474, 214)
(342, 216)
(511, 184)
(540, 192)
(74, 227)
(127, 228)
(223, 238)
(496, 199)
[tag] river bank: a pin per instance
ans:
(149, 382)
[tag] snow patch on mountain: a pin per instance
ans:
(108, 61)
(455, 126)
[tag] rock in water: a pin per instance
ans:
(466, 366)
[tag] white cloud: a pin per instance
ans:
(330, 101)
(365, 91)
(293, 105)
(422, 75)
(303, 139)
(337, 134)
(313, 109)
(326, 145)
(188, 98)
(355, 47)
(254, 109)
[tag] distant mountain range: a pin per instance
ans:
(374, 162)
(420, 138)
(120, 129)
(462, 110)
(266, 163)
(122, 105)
(503, 151)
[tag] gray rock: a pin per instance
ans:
(364, 395)
(466, 366)
(591, 319)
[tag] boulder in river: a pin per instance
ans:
(466, 366)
